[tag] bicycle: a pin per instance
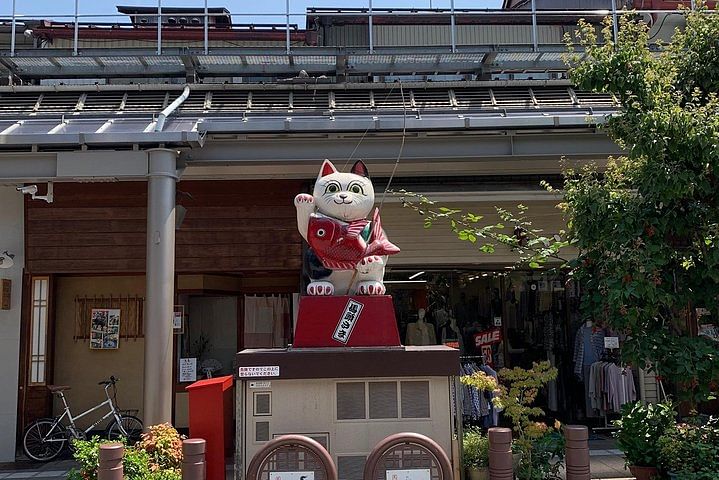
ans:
(46, 438)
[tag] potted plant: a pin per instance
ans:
(640, 428)
(475, 454)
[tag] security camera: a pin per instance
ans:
(28, 190)
(32, 191)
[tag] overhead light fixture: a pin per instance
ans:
(416, 275)
(7, 260)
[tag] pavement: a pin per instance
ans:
(606, 462)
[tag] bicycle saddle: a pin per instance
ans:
(58, 388)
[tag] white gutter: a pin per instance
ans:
(171, 108)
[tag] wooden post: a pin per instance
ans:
(110, 462)
(577, 450)
(500, 454)
(193, 459)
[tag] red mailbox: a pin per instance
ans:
(211, 407)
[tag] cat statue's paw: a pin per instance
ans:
(320, 288)
(369, 264)
(371, 288)
(304, 200)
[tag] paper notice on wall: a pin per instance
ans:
(292, 475)
(611, 342)
(412, 474)
(259, 371)
(188, 370)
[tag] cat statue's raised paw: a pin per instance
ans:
(348, 253)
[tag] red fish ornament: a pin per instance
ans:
(340, 245)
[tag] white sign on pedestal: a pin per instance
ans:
(292, 475)
(412, 474)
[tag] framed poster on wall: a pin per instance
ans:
(105, 328)
(178, 320)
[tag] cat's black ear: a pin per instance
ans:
(327, 168)
(359, 168)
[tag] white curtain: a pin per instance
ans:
(266, 321)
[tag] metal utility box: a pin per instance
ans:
(348, 399)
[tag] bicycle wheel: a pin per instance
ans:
(132, 426)
(43, 440)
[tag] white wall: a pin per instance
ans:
(11, 239)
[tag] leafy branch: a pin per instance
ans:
(514, 231)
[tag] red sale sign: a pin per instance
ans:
(484, 342)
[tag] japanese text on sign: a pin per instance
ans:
(347, 321)
(263, 371)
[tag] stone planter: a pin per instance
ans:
(644, 473)
(481, 473)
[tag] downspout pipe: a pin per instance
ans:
(170, 109)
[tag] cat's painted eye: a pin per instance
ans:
(356, 189)
(332, 188)
(321, 232)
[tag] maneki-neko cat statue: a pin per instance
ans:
(348, 253)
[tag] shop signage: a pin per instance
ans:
(611, 342)
(484, 341)
(292, 475)
(497, 321)
(347, 321)
(5, 289)
(412, 474)
(488, 337)
(188, 370)
(260, 371)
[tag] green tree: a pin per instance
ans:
(647, 226)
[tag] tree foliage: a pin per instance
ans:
(647, 226)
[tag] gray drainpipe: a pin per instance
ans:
(171, 108)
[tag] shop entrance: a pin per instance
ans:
(498, 318)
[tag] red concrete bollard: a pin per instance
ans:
(193, 459)
(577, 450)
(110, 462)
(500, 454)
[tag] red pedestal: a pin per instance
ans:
(346, 321)
(211, 405)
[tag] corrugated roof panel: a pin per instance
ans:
(103, 101)
(310, 100)
(517, 57)
(33, 63)
(163, 60)
(314, 59)
(513, 97)
(224, 101)
(268, 59)
(473, 98)
(271, 100)
(352, 100)
(432, 99)
(130, 62)
(220, 60)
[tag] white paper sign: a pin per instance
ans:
(260, 371)
(292, 475)
(413, 474)
(188, 370)
(497, 321)
(611, 342)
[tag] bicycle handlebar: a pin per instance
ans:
(113, 380)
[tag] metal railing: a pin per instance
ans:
(76, 18)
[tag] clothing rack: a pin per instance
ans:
(610, 355)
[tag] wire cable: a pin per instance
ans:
(401, 146)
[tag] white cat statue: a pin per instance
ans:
(348, 253)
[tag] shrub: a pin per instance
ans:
(164, 445)
(475, 448)
(158, 456)
(691, 450)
